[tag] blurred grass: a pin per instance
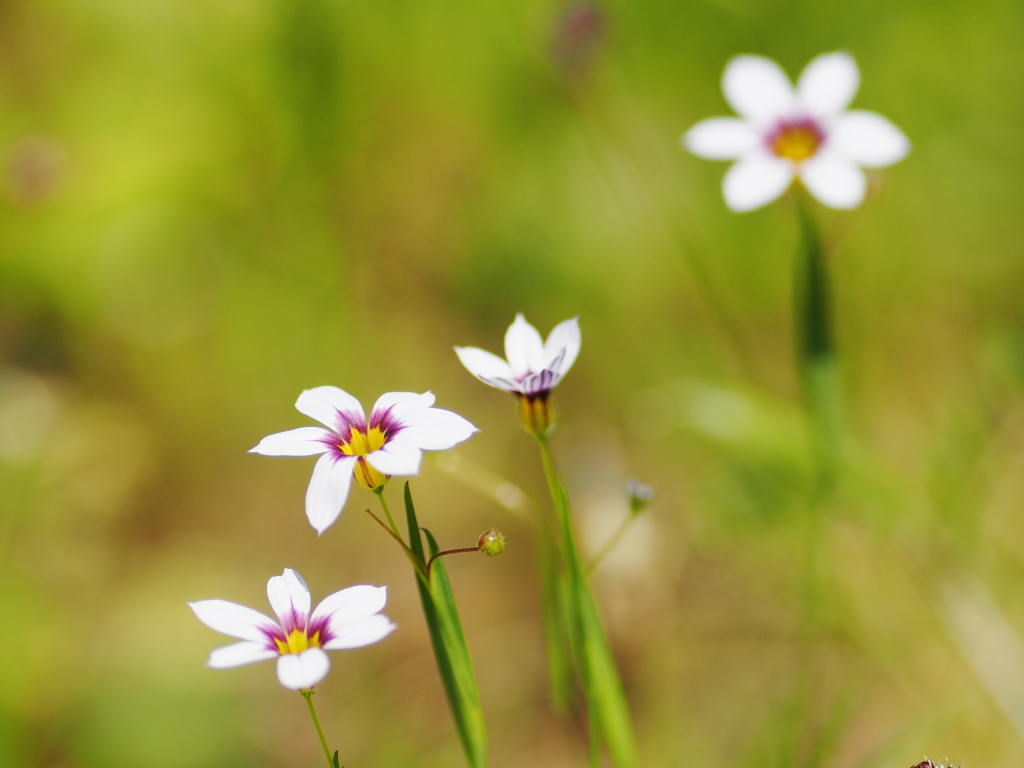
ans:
(206, 207)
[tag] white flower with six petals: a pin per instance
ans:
(784, 134)
(534, 366)
(401, 426)
(350, 618)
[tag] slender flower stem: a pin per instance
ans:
(608, 718)
(422, 570)
(450, 552)
(308, 696)
(379, 490)
(612, 542)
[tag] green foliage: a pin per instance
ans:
(449, 643)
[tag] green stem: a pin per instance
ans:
(308, 696)
(421, 569)
(444, 552)
(818, 363)
(608, 717)
(379, 490)
(609, 545)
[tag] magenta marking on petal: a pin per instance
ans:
(292, 620)
(274, 634)
(321, 624)
(347, 420)
(386, 422)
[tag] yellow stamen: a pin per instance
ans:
(360, 444)
(297, 642)
(797, 142)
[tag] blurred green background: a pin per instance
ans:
(207, 206)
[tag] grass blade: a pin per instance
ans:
(449, 643)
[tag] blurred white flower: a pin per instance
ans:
(401, 426)
(533, 368)
(806, 133)
(350, 618)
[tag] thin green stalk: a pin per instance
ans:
(612, 542)
(607, 713)
(379, 490)
(308, 696)
(818, 364)
(818, 369)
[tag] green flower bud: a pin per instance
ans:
(492, 542)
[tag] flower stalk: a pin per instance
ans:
(608, 719)
(818, 361)
(308, 696)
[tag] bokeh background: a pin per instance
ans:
(207, 206)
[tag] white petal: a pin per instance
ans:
(397, 457)
(487, 367)
(828, 84)
(301, 671)
(562, 346)
(721, 138)
(834, 180)
(523, 348)
(435, 429)
(332, 407)
(234, 619)
(398, 404)
(328, 489)
(356, 634)
(350, 604)
(868, 138)
(758, 89)
(238, 654)
(755, 181)
(304, 441)
(289, 597)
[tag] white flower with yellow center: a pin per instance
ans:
(806, 133)
(350, 618)
(401, 426)
(533, 368)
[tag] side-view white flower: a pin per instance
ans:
(533, 368)
(533, 365)
(806, 133)
(401, 426)
(350, 618)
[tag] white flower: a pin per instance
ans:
(534, 366)
(401, 426)
(350, 618)
(784, 134)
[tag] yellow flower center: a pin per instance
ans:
(360, 444)
(797, 142)
(297, 642)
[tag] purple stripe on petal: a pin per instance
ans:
(386, 422)
(294, 619)
(273, 634)
(539, 382)
(347, 420)
(321, 624)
